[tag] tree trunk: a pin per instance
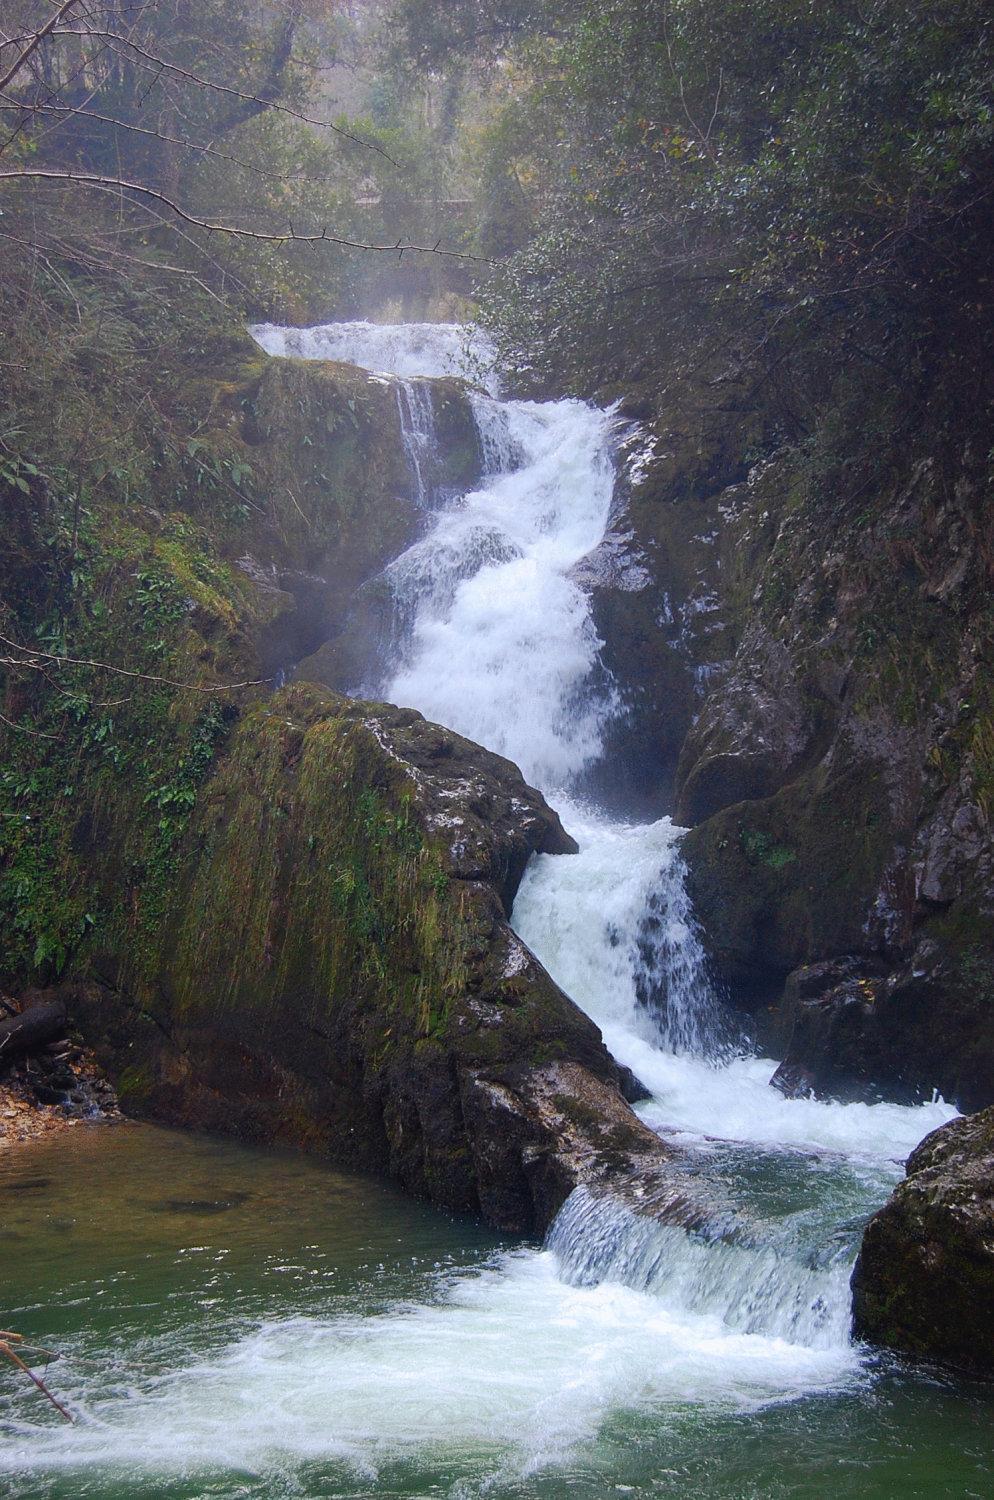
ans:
(31, 1030)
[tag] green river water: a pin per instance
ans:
(243, 1324)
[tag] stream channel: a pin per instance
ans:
(239, 1323)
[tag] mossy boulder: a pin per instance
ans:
(339, 973)
(924, 1281)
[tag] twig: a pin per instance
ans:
(15, 1359)
(286, 236)
(34, 659)
(36, 41)
(161, 63)
(23, 729)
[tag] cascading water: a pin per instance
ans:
(496, 640)
(417, 426)
(501, 644)
(499, 1371)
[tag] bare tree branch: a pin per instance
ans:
(287, 236)
(201, 149)
(34, 660)
(35, 42)
(152, 61)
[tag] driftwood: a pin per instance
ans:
(6, 1340)
(31, 1029)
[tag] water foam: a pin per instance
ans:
(512, 1364)
(613, 926)
(501, 643)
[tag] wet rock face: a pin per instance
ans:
(654, 587)
(828, 1014)
(855, 1029)
(924, 1280)
(825, 732)
(354, 650)
(341, 974)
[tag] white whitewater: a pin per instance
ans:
(525, 1361)
(501, 646)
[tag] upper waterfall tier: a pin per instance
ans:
(410, 350)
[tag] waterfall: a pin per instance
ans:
(414, 1358)
(417, 429)
(494, 637)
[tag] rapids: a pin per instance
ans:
(621, 1355)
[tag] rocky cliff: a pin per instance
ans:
(806, 650)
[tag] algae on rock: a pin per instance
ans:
(339, 972)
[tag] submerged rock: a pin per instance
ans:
(924, 1280)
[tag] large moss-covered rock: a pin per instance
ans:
(924, 1280)
(338, 971)
(282, 917)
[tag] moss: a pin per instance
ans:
(458, 439)
(309, 878)
(760, 848)
(579, 1111)
(235, 454)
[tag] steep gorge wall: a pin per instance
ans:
(826, 646)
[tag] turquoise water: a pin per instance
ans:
(243, 1324)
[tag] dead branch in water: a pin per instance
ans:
(6, 1339)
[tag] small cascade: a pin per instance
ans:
(499, 643)
(417, 430)
(671, 973)
(615, 927)
(413, 351)
(766, 1289)
(500, 452)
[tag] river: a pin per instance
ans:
(245, 1324)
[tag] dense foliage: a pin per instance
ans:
(745, 183)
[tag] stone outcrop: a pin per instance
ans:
(340, 498)
(924, 1280)
(823, 723)
(339, 972)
